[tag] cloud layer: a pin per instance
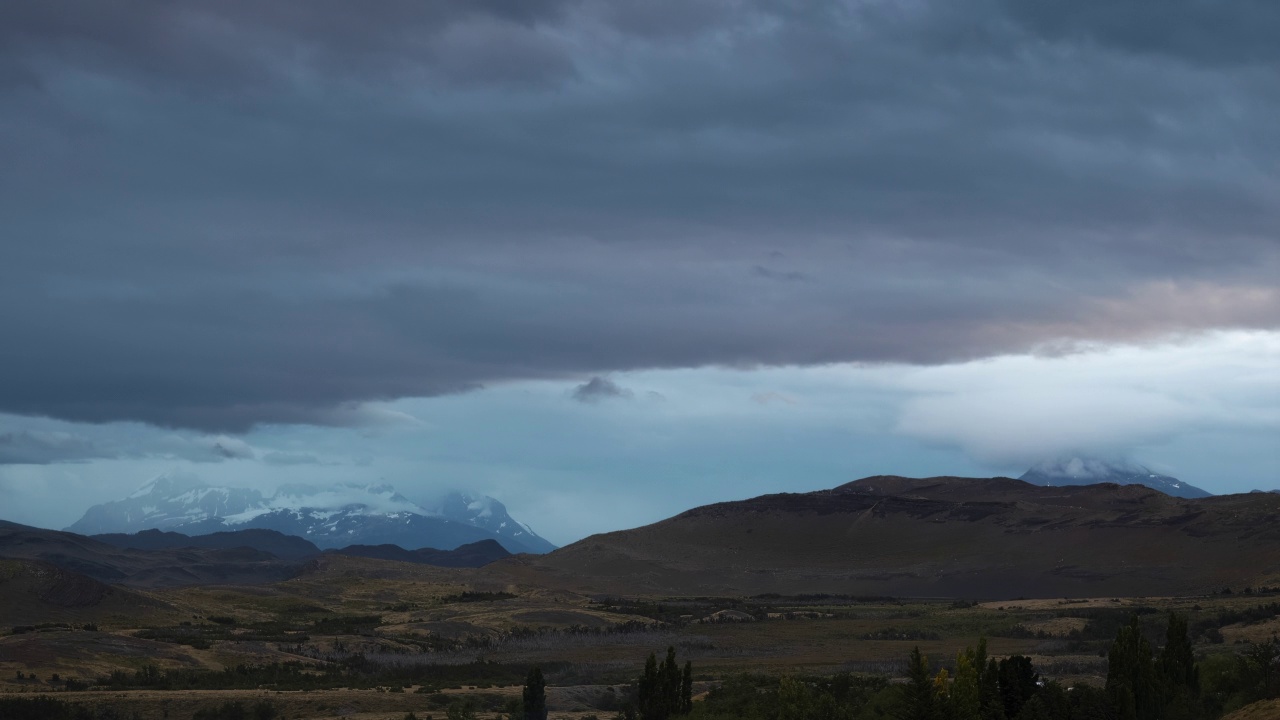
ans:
(1205, 411)
(1015, 411)
(224, 214)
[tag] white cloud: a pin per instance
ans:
(1020, 409)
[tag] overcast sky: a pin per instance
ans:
(609, 260)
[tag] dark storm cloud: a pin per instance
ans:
(44, 441)
(28, 448)
(218, 214)
(1238, 32)
(599, 388)
(214, 44)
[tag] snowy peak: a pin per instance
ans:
(167, 486)
(1078, 470)
(331, 516)
(165, 503)
(486, 512)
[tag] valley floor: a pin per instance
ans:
(396, 638)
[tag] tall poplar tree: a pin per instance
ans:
(919, 701)
(1178, 675)
(535, 696)
(686, 689)
(664, 690)
(1131, 677)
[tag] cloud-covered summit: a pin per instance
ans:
(219, 215)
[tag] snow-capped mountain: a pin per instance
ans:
(167, 503)
(489, 514)
(332, 516)
(1089, 471)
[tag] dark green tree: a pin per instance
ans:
(1034, 709)
(1131, 676)
(990, 705)
(1018, 683)
(534, 699)
(647, 691)
(1177, 661)
(963, 698)
(661, 689)
(1265, 658)
(1054, 699)
(919, 700)
(1178, 675)
(686, 689)
(795, 702)
(1090, 703)
(670, 685)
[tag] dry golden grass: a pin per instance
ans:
(1263, 710)
(1249, 633)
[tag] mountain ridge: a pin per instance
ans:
(331, 516)
(133, 567)
(285, 547)
(471, 555)
(934, 537)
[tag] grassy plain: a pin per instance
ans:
(427, 637)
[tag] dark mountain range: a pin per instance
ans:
(142, 568)
(153, 558)
(473, 555)
(938, 537)
(330, 517)
(285, 547)
(1091, 471)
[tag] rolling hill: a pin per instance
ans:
(142, 568)
(34, 591)
(934, 537)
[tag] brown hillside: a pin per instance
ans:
(33, 592)
(936, 537)
(165, 567)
